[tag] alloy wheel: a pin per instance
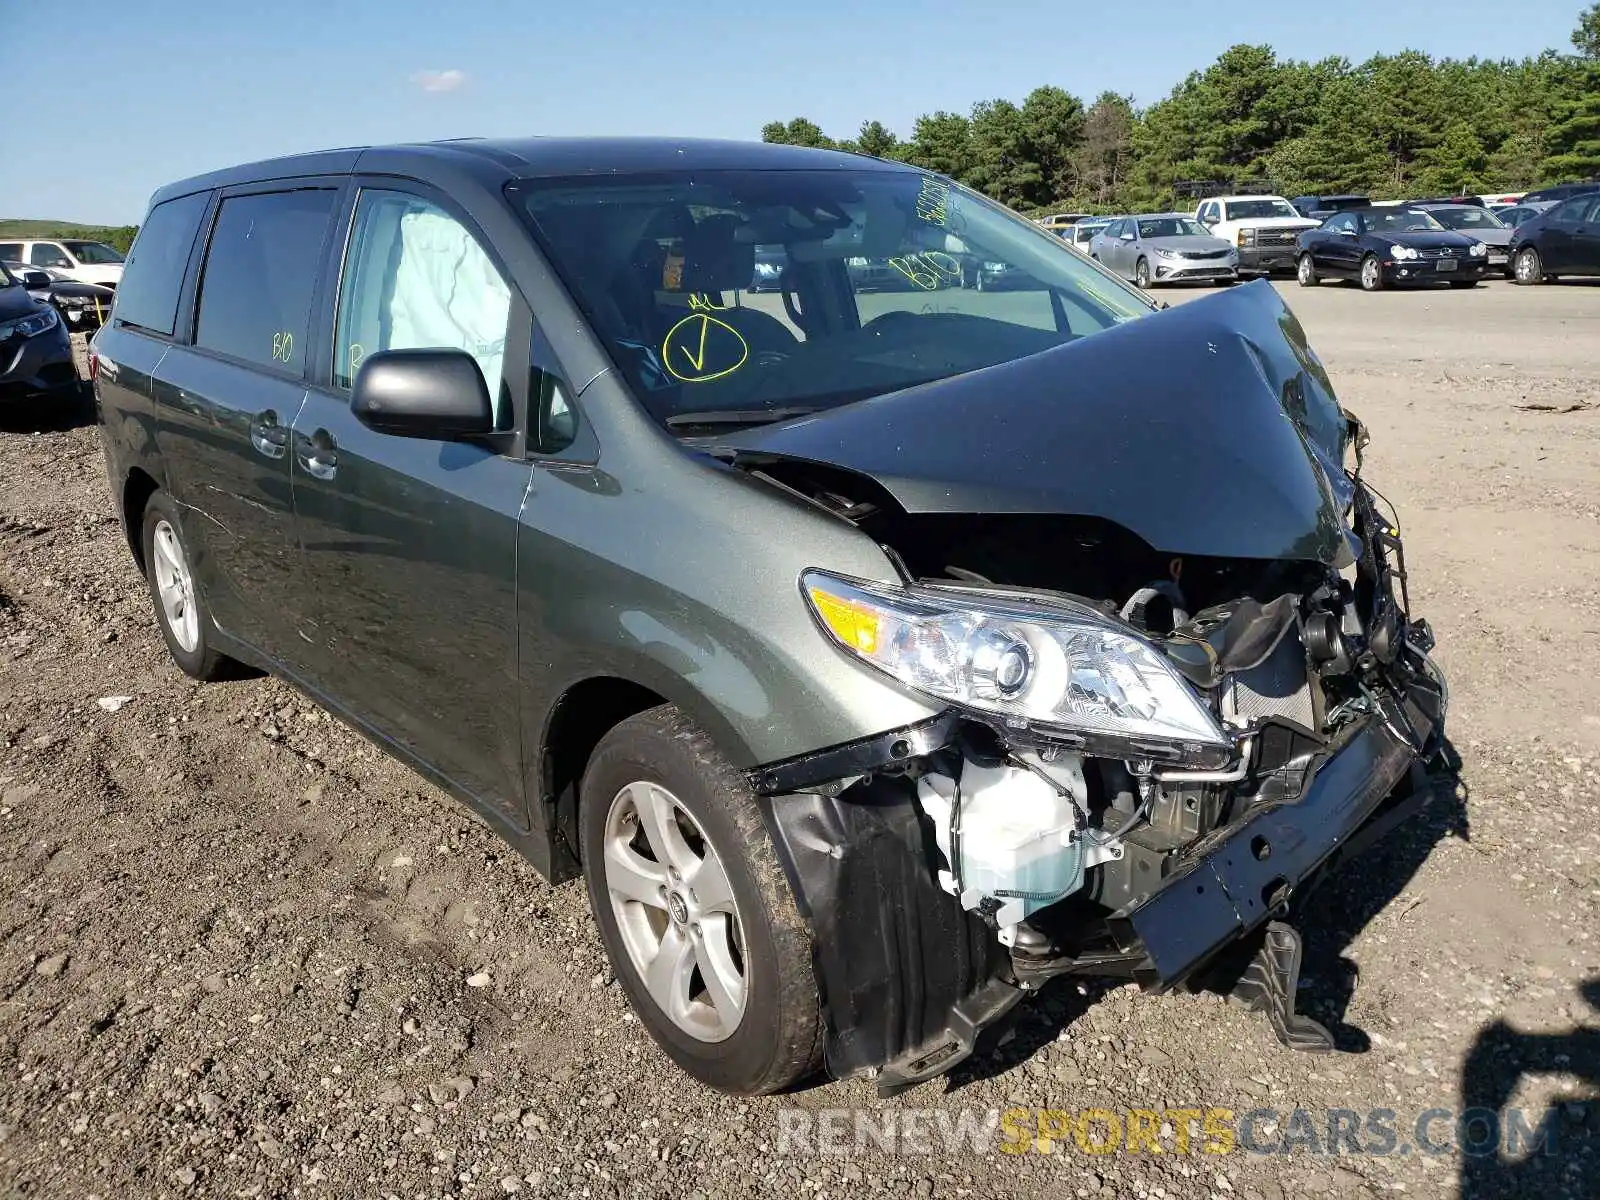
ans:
(1370, 276)
(1141, 273)
(676, 911)
(175, 586)
(1306, 274)
(1527, 266)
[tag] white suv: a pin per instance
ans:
(1266, 229)
(74, 258)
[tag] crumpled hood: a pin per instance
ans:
(1207, 429)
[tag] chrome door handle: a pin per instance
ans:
(267, 436)
(318, 455)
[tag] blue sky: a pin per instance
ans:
(111, 100)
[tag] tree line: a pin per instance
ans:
(1395, 124)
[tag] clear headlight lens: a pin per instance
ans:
(1402, 252)
(994, 266)
(31, 325)
(1166, 253)
(1057, 665)
(1478, 249)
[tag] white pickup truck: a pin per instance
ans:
(1264, 228)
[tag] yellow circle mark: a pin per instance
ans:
(689, 344)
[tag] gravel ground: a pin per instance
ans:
(242, 954)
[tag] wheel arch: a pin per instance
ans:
(137, 488)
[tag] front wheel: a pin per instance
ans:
(1305, 271)
(1371, 274)
(1527, 267)
(1141, 273)
(694, 909)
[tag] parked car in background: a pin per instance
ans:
(1165, 248)
(1082, 233)
(1515, 214)
(1473, 201)
(770, 264)
(81, 305)
(1500, 199)
(848, 665)
(75, 258)
(35, 351)
(1561, 191)
(1056, 222)
(1320, 208)
(1562, 240)
(1378, 247)
(1475, 222)
(1262, 229)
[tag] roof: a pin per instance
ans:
(497, 160)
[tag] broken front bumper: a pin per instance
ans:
(909, 978)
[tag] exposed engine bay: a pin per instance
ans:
(1061, 849)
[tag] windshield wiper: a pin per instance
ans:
(738, 416)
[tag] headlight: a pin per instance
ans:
(1402, 252)
(1166, 253)
(1479, 249)
(994, 266)
(1059, 665)
(31, 325)
(1246, 237)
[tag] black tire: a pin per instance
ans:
(1527, 268)
(200, 661)
(1371, 276)
(778, 1039)
(1141, 273)
(1305, 271)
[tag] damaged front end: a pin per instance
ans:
(1144, 754)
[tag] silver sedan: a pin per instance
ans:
(1165, 248)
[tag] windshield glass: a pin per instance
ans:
(1270, 207)
(1401, 221)
(93, 253)
(1161, 227)
(1466, 218)
(890, 279)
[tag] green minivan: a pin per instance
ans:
(874, 657)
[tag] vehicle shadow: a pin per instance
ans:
(1531, 1152)
(48, 414)
(1345, 904)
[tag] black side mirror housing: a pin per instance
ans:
(434, 394)
(35, 279)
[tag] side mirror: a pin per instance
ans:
(35, 279)
(1127, 237)
(435, 394)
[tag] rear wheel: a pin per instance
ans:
(180, 609)
(1141, 273)
(695, 912)
(1527, 267)
(1305, 271)
(1371, 274)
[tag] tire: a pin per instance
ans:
(979, 284)
(1371, 274)
(657, 767)
(180, 609)
(1141, 273)
(1305, 271)
(1527, 268)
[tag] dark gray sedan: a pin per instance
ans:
(1165, 248)
(1477, 223)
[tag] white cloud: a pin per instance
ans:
(439, 81)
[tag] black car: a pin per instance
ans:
(81, 305)
(1560, 191)
(1382, 246)
(35, 351)
(1321, 207)
(1564, 240)
(1474, 201)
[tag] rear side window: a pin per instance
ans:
(11, 251)
(260, 272)
(153, 277)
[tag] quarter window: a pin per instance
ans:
(153, 277)
(260, 273)
(415, 278)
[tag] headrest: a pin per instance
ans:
(712, 260)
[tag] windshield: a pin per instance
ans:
(93, 253)
(889, 279)
(1244, 209)
(1466, 218)
(1162, 227)
(1404, 220)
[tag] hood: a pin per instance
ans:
(16, 301)
(71, 289)
(104, 273)
(1425, 239)
(1207, 429)
(1191, 243)
(1490, 237)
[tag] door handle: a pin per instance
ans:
(318, 455)
(267, 436)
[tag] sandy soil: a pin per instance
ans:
(238, 947)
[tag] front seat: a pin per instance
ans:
(715, 261)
